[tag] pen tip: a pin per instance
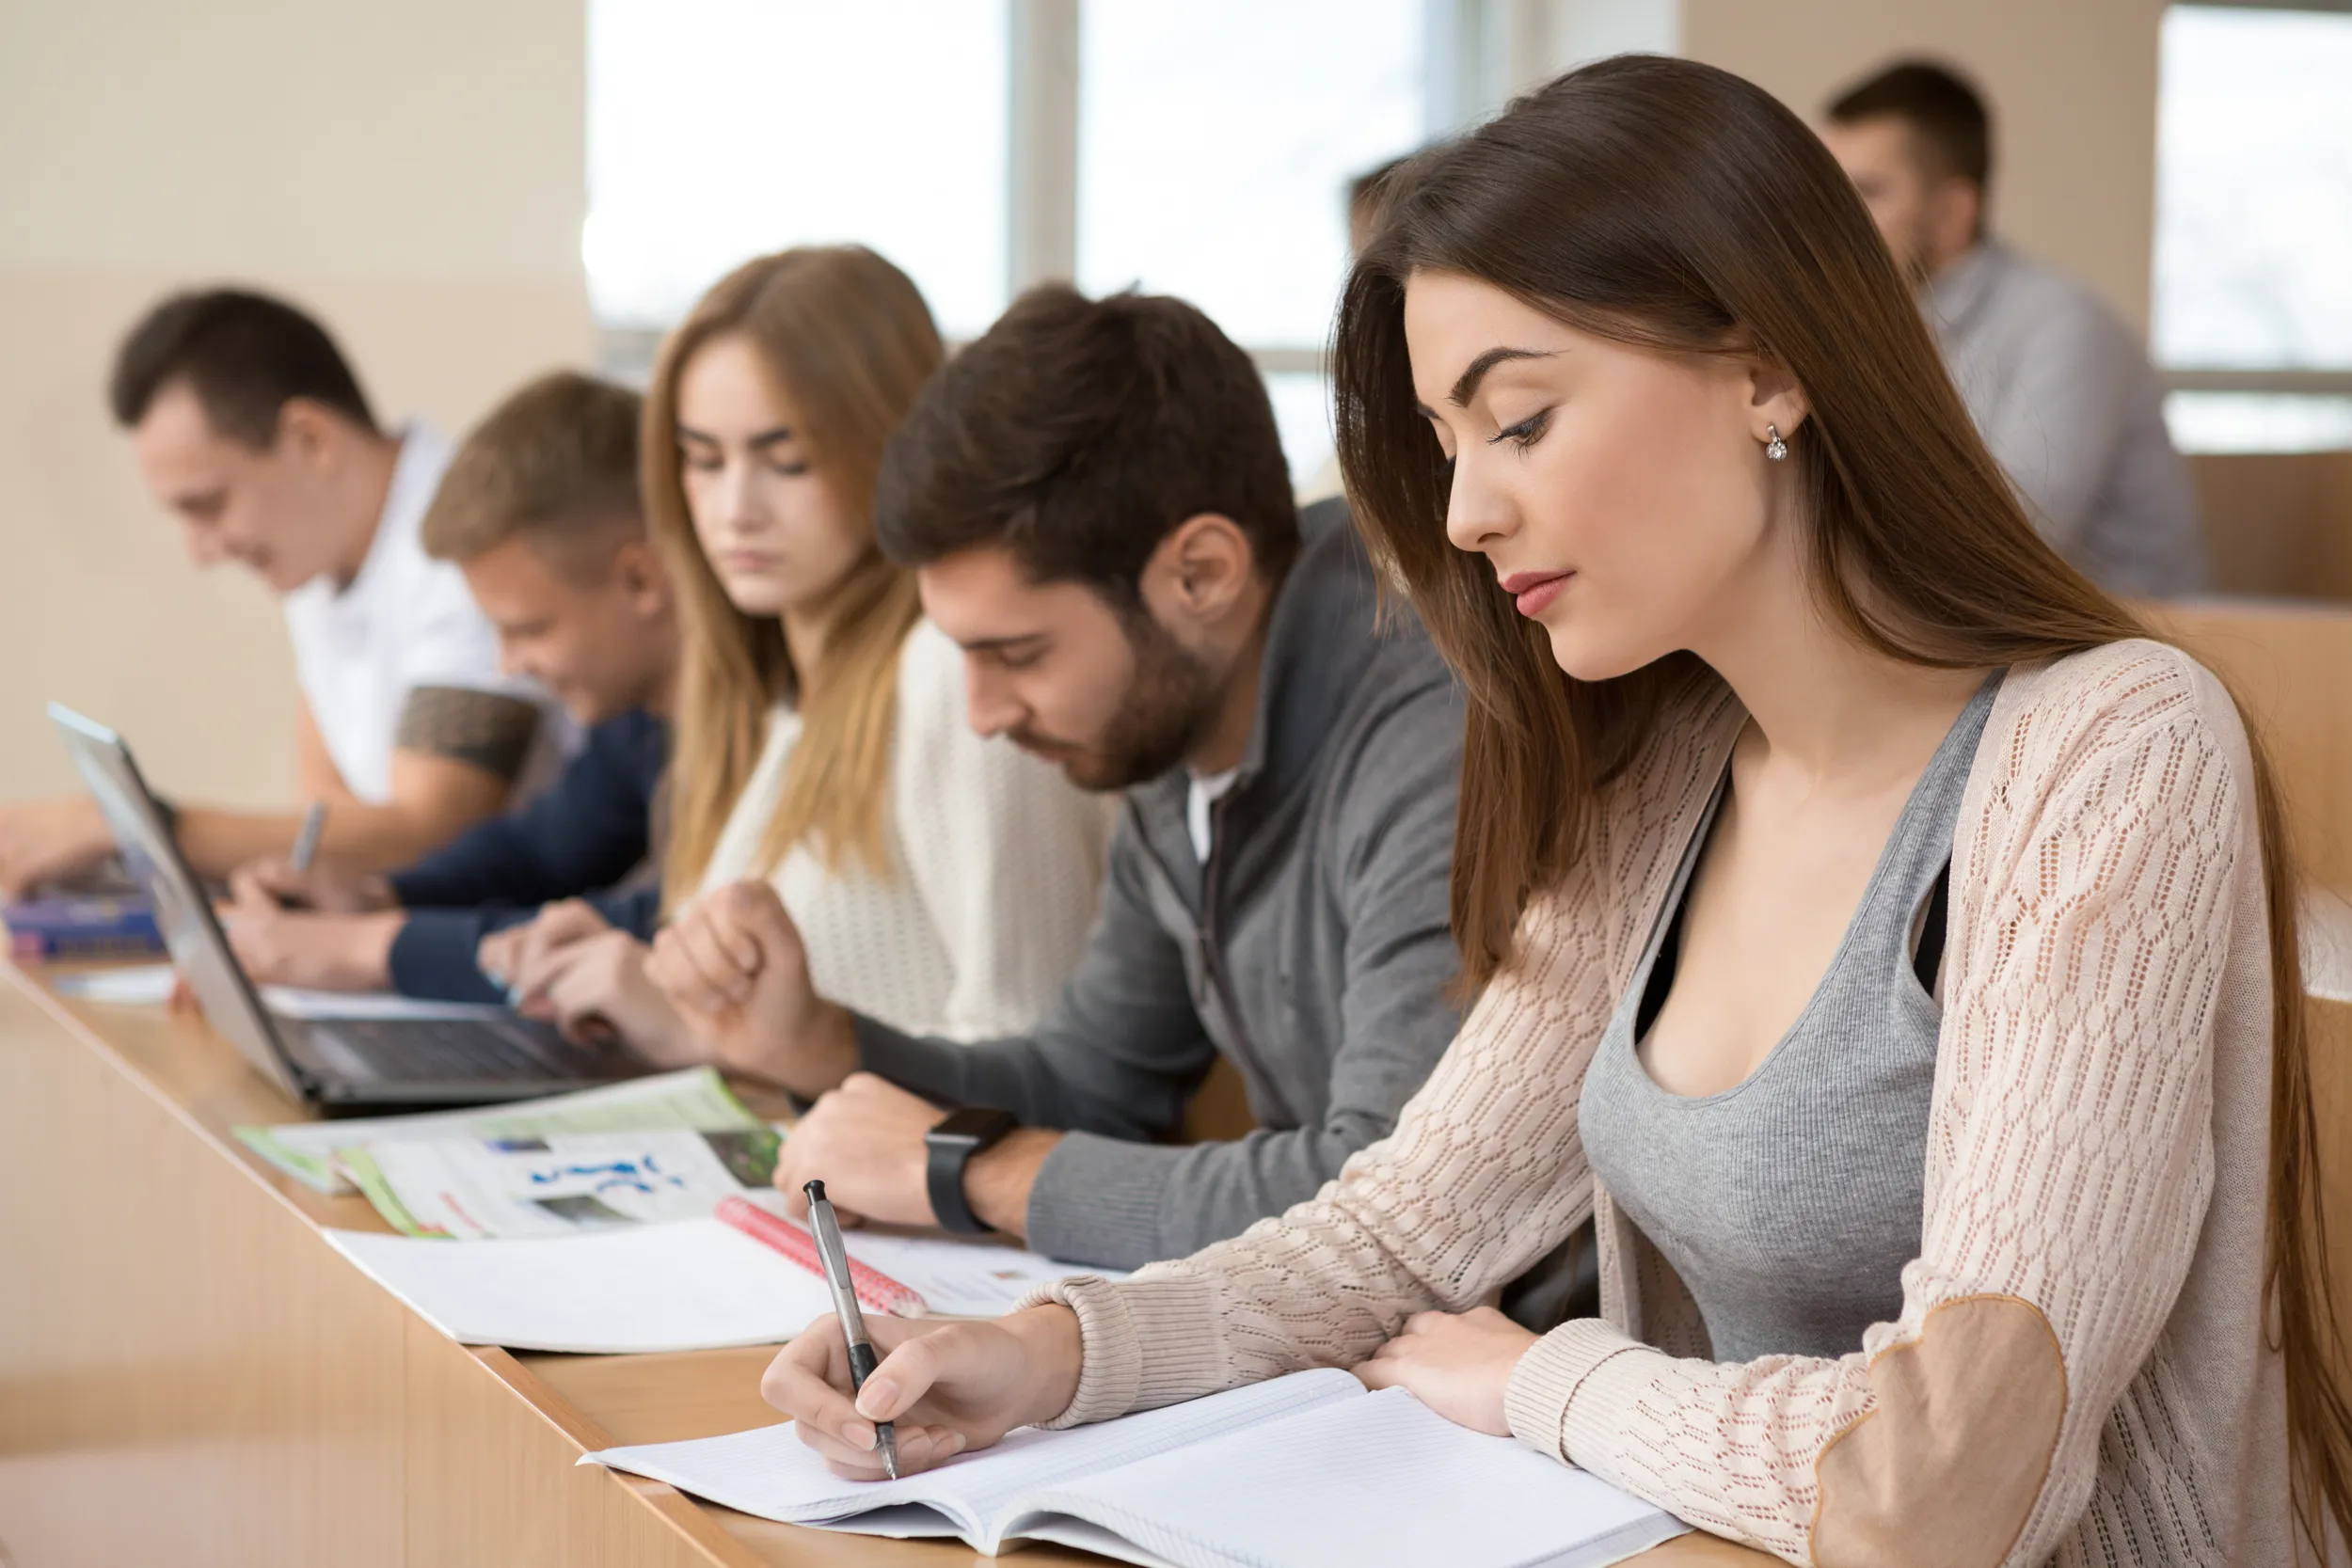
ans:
(814, 1191)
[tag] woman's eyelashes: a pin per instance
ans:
(709, 462)
(1524, 433)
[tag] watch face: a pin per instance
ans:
(973, 1123)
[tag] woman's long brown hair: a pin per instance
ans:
(1676, 207)
(848, 339)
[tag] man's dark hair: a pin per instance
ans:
(242, 355)
(1947, 115)
(1078, 434)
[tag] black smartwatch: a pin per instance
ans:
(949, 1148)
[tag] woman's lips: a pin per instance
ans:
(1533, 591)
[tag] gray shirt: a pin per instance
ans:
(1312, 951)
(1789, 1203)
(2064, 395)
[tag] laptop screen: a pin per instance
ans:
(183, 912)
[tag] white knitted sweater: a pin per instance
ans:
(2079, 1372)
(994, 858)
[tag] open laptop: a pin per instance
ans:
(336, 1065)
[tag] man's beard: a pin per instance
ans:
(1169, 701)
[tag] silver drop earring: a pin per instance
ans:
(1775, 449)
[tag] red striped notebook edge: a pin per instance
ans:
(876, 1290)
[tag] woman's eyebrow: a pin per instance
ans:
(1467, 387)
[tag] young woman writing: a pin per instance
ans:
(943, 881)
(1883, 939)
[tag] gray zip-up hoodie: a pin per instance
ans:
(1312, 951)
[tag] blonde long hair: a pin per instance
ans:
(848, 339)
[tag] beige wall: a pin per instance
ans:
(415, 173)
(2074, 92)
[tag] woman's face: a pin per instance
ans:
(775, 530)
(1621, 495)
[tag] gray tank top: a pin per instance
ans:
(1789, 1203)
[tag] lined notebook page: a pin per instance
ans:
(1381, 1481)
(770, 1473)
(687, 1285)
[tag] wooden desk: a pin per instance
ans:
(188, 1373)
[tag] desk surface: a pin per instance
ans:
(481, 1438)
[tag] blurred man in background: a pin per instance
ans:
(2060, 388)
(251, 430)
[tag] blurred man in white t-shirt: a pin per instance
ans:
(250, 428)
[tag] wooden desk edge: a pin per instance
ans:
(702, 1526)
(31, 982)
(688, 1516)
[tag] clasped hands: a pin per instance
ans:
(735, 971)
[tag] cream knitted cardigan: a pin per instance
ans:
(2079, 1372)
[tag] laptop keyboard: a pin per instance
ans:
(419, 1051)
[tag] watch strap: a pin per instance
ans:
(945, 1160)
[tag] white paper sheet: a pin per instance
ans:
(692, 1285)
(1382, 1482)
(1305, 1469)
(962, 1280)
(137, 986)
(770, 1473)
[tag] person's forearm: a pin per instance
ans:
(1123, 1204)
(822, 1053)
(996, 1184)
(363, 837)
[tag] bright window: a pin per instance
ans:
(721, 129)
(2254, 189)
(1216, 139)
(1215, 142)
(2253, 254)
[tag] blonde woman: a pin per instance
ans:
(1886, 942)
(943, 881)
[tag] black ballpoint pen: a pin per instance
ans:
(861, 1358)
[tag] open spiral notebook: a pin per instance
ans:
(1298, 1472)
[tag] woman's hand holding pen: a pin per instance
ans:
(945, 1387)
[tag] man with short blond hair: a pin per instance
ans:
(540, 509)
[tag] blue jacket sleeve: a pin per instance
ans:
(588, 831)
(432, 957)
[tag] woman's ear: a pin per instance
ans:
(1774, 400)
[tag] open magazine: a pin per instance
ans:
(1304, 1469)
(694, 1099)
(556, 1184)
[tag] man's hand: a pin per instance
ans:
(597, 986)
(521, 958)
(865, 1142)
(733, 968)
(327, 889)
(43, 840)
(944, 1386)
(323, 952)
(1457, 1363)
